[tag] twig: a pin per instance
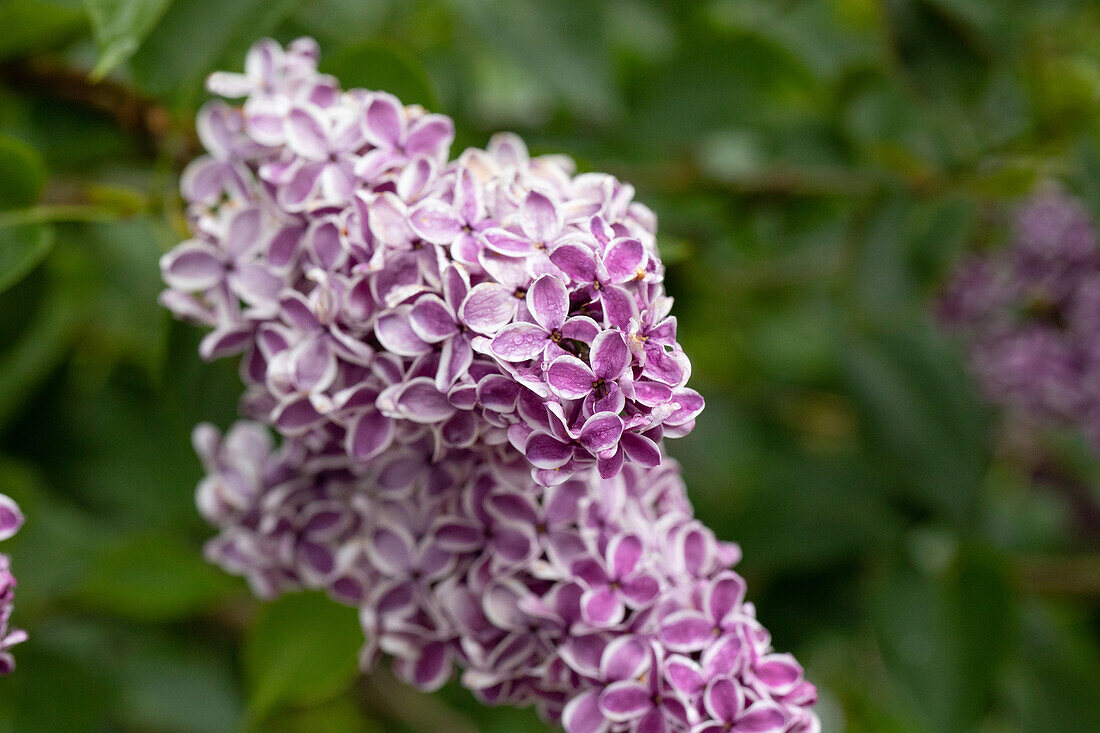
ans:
(1078, 576)
(382, 693)
(144, 118)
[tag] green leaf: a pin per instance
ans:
(947, 639)
(383, 66)
(22, 174)
(341, 715)
(152, 577)
(301, 650)
(22, 247)
(120, 26)
(924, 424)
(40, 348)
(31, 25)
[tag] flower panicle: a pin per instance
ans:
(472, 366)
(1031, 314)
(11, 519)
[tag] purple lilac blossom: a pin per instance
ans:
(1031, 315)
(472, 366)
(11, 519)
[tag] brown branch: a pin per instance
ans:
(146, 119)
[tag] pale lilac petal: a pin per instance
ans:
(243, 234)
(435, 221)
(192, 266)
(388, 220)
(662, 365)
(421, 402)
(519, 342)
(548, 301)
(569, 377)
(542, 219)
(323, 241)
(385, 121)
(432, 320)
(430, 135)
(295, 194)
(305, 134)
(468, 200)
(488, 308)
(507, 243)
(624, 260)
(395, 332)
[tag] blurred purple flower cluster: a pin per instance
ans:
(1031, 314)
(11, 519)
(472, 366)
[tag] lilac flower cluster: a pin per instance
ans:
(472, 366)
(1031, 314)
(11, 519)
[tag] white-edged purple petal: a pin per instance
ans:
(548, 301)
(600, 432)
(11, 518)
(569, 377)
(192, 266)
(519, 342)
(610, 356)
(625, 700)
(488, 308)
(432, 320)
(395, 332)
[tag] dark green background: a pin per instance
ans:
(816, 165)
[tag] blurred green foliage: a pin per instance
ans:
(817, 165)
